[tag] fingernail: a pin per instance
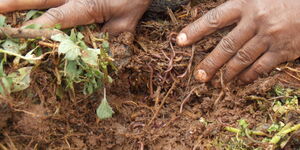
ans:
(182, 38)
(201, 75)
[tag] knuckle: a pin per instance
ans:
(90, 6)
(261, 15)
(228, 45)
(56, 14)
(274, 30)
(245, 78)
(194, 27)
(210, 62)
(213, 18)
(259, 69)
(244, 56)
(286, 56)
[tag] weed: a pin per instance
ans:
(279, 133)
(79, 64)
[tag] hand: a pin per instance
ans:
(119, 15)
(267, 34)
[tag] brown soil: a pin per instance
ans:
(147, 95)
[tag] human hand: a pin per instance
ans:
(267, 34)
(118, 15)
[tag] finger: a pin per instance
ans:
(13, 5)
(116, 26)
(245, 57)
(69, 15)
(125, 23)
(262, 66)
(226, 14)
(225, 50)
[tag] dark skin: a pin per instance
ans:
(70, 13)
(267, 32)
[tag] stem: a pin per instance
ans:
(234, 130)
(283, 132)
(260, 133)
(20, 56)
(104, 93)
(238, 131)
(27, 33)
(292, 129)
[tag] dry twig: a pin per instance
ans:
(27, 33)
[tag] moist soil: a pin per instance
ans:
(158, 104)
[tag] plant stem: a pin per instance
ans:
(238, 131)
(234, 130)
(283, 132)
(20, 56)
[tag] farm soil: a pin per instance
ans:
(153, 81)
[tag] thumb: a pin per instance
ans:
(71, 14)
(119, 25)
(124, 23)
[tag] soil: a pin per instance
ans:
(158, 105)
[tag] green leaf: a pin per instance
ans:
(104, 110)
(11, 46)
(279, 90)
(88, 89)
(32, 14)
(67, 47)
(33, 26)
(80, 36)
(105, 45)
(2, 73)
(7, 83)
(70, 49)
(20, 79)
(2, 21)
(73, 35)
(275, 127)
(59, 37)
(243, 123)
(72, 70)
(90, 56)
(57, 26)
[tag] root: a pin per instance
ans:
(188, 70)
(187, 98)
(162, 103)
(27, 33)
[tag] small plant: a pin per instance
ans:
(80, 64)
(86, 65)
(280, 133)
(288, 101)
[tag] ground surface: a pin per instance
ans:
(147, 96)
